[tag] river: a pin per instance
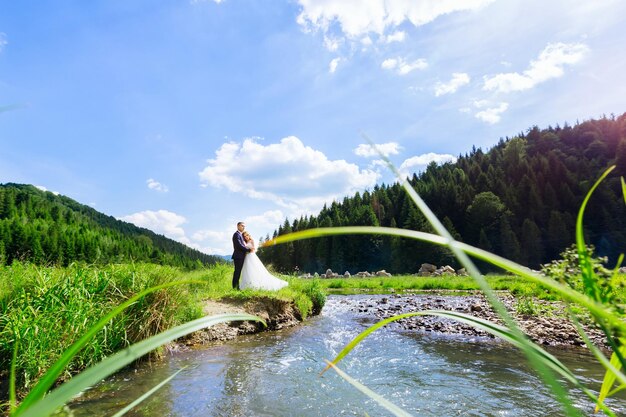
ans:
(277, 374)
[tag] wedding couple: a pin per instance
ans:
(249, 267)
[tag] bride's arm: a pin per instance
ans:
(253, 245)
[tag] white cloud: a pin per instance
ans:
(155, 185)
(332, 67)
(459, 79)
(209, 235)
(491, 115)
(161, 221)
(389, 63)
(379, 163)
(356, 18)
(288, 173)
(262, 224)
(549, 64)
(42, 188)
(259, 226)
(3, 40)
(332, 44)
(398, 36)
(402, 67)
(367, 150)
(420, 162)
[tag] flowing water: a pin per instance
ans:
(277, 374)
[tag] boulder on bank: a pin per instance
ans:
(444, 270)
(383, 273)
(329, 274)
(426, 270)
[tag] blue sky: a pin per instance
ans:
(188, 116)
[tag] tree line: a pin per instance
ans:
(43, 228)
(519, 200)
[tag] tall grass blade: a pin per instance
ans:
(13, 377)
(623, 188)
(49, 378)
(499, 331)
(612, 372)
(108, 366)
(613, 367)
(563, 290)
(394, 409)
(147, 394)
(586, 267)
(354, 342)
(497, 305)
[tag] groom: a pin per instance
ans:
(239, 254)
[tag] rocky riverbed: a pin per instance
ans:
(549, 326)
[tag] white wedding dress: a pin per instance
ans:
(255, 276)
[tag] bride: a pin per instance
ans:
(254, 275)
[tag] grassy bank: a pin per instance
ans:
(45, 309)
(514, 284)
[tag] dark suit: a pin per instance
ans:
(239, 255)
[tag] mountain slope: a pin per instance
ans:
(520, 200)
(44, 228)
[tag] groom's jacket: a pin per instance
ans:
(239, 246)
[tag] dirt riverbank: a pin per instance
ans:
(277, 314)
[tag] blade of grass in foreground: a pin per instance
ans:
(108, 366)
(546, 375)
(51, 375)
(523, 272)
(12, 377)
(499, 331)
(613, 367)
(146, 395)
(588, 275)
(394, 409)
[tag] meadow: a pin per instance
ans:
(515, 285)
(44, 310)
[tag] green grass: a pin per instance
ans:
(514, 284)
(43, 310)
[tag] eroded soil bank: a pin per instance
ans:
(277, 314)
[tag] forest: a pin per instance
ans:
(519, 200)
(43, 228)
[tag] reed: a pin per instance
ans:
(57, 322)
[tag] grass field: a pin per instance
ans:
(45, 309)
(515, 285)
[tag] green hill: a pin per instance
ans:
(44, 228)
(519, 199)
